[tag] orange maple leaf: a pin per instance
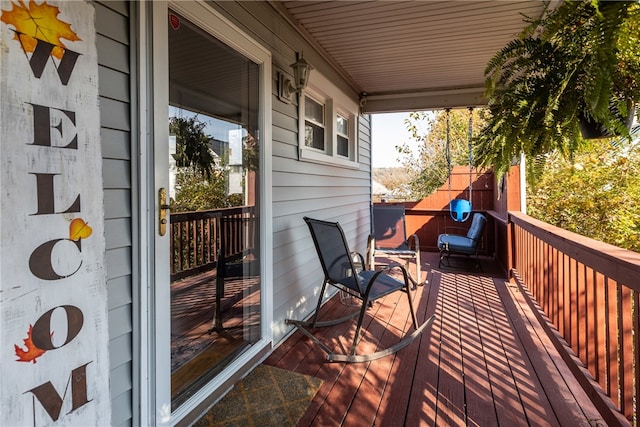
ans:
(38, 21)
(32, 352)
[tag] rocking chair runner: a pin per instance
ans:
(341, 271)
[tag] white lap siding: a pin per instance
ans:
(112, 22)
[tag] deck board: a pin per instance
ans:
(563, 387)
(485, 361)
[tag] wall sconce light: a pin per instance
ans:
(301, 71)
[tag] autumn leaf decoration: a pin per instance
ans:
(79, 229)
(32, 352)
(38, 21)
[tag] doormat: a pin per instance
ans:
(185, 349)
(268, 396)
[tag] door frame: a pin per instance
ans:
(152, 371)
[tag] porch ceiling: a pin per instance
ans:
(411, 55)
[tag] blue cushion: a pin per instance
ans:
(477, 225)
(455, 243)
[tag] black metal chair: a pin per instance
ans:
(390, 239)
(341, 271)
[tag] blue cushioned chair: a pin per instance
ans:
(468, 245)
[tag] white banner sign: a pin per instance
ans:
(54, 339)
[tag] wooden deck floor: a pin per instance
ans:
(484, 362)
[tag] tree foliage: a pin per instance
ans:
(192, 145)
(195, 193)
(428, 169)
(597, 196)
(580, 61)
(394, 179)
(200, 184)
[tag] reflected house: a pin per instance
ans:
(156, 314)
(379, 192)
(228, 156)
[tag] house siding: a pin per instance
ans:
(299, 188)
(113, 42)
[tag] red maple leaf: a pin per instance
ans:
(32, 352)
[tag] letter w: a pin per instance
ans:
(41, 55)
(51, 400)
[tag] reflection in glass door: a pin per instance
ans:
(213, 193)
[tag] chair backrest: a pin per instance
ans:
(389, 227)
(477, 227)
(333, 251)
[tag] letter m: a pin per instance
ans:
(52, 402)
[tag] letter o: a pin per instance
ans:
(41, 332)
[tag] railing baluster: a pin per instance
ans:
(627, 353)
(591, 313)
(193, 244)
(615, 341)
(619, 347)
(559, 322)
(172, 247)
(180, 247)
(573, 306)
(600, 319)
(635, 373)
(582, 314)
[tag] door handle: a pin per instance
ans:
(162, 213)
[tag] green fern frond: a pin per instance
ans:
(580, 59)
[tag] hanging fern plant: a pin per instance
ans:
(580, 62)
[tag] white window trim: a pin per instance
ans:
(336, 102)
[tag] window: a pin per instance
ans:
(313, 124)
(342, 131)
(328, 132)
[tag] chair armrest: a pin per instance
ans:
(416, 242)
(371, 252)
(360, 258)
(386, 270)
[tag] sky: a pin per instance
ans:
(389, 131)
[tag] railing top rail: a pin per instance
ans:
(213, 213)
(619, 264)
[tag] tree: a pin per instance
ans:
(192, 145)
(201, 184)
(429, 169)
(597, 196)
(194, 193)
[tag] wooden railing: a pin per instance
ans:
(198, 237)
(586, 292)
(589, 293)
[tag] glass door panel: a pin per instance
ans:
(214, 200)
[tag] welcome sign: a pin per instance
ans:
(53, 299)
